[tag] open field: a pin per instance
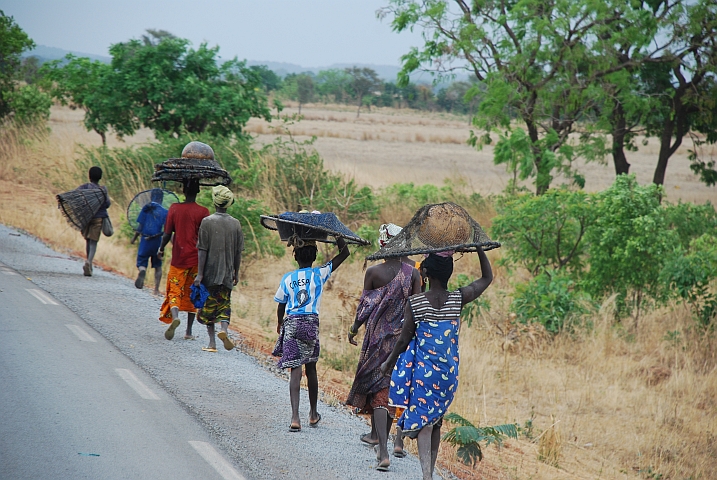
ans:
(621, 405)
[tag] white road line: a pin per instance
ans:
(217, 462)
(139, 387)
(42, 296)
(81, 334)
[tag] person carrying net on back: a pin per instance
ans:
(151, 227)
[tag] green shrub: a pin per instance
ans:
(546, 231)
(30, 105)
(628, 245)
(550, 298)
(467, 437)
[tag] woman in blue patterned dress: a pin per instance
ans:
(425, 378)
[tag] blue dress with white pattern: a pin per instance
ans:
(425, 378)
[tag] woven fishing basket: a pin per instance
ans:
(197, 163)
(80, 206)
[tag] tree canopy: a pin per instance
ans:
(554, 64)
(13, 41)
(163, 84)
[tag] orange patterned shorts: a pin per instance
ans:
(179, 281)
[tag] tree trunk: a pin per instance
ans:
(618, 140)
(299, 108)
(104, 138)
(358, 110)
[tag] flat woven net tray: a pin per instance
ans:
(311, 226)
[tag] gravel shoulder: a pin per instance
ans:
(243, 405)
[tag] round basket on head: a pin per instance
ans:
(310, 226)
(80, 206)
(197, 163)
(145, 198)
(437, 228)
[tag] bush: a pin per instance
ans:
(546, 231)
(470, 310)
(628, 245)
(551, 298)
(30, 105)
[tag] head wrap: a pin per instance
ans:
(222, 197)
(386, 232)
(298, 242)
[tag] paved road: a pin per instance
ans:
(89, 388)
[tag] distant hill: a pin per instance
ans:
(45, 54)
(385, 72)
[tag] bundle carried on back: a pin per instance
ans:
(436, 228)
(80, 206)
(197, 163)
(305, 226)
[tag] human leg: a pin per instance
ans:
(157, 279)
(190, 321)
(383, 425)
(371, 438)
(169, 333)
(295, 396)
(224, 336)
(435, 443)
(312, 381)
(139, 283)
(212, 342)
(425, 447)
(398, 450)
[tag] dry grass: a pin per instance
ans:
(620, 406)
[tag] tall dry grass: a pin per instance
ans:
(602, 403)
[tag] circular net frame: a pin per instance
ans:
(80, 206)
(311, 226)
(142, 199)
(437, 228)
(207, 172)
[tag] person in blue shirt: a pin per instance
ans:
(299, 299)
(151, 227)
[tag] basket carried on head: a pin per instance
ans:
(310, 226)
(80, 206)
(197, 163)
(145, 198)
(437, 228)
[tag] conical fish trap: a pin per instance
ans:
(79, 206)
(437, 228)
(310, 226)
(145, 198)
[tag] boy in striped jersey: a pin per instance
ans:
(299, 299)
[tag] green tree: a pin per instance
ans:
(30, 105)
(537, 60)
(304, 89)
(269, 78)
(333, 84)
(94, 87)
(13, 41)
(162, 84)
(364, 81)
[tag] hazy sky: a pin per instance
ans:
(310, 33)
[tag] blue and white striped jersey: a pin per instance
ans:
(301, 289)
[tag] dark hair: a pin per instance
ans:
(95, 174)
(157, 195)
(440, 268)
(191, 187)
(305, 254)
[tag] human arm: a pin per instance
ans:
(407, 333)
(134, 239)
(474, 290)
(237, 257)
(280, 311)
(201, 261)
(342, 255)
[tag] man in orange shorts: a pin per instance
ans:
(183, 220)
